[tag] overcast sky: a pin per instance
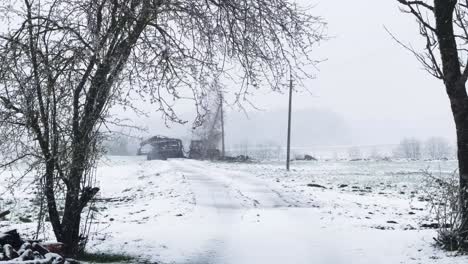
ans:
(376, 86)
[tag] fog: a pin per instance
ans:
(368, 91)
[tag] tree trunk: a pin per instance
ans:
(460, 112)
(456, 90)
(51, 202)
(72, 214)
(71, 231)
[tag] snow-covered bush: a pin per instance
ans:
(443, 195)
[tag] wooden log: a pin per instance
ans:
(40, 249)
(10, 252)
(71, 261)
(11, 237)
(28, 254)
(4, 213)
(24, 247)
(38, 255)
(49, 258)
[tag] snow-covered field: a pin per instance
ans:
(186, 211)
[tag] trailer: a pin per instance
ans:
(161, 148)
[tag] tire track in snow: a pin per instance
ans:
(230, 200)
(258, 192)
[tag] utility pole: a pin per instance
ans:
(288, 151)
(222, 125)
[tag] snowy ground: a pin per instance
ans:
(202, 212)
(199, 212)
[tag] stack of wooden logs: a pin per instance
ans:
(14, 250)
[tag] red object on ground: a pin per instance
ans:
(54, 247)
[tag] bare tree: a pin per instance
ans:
(443, 25)
(375, 153)
(354, 153)
(409, 148)
(117, 144)
(437, 148)
(210, 132)
(65, 63)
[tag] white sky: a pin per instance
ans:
(379, 88)
(369, 79)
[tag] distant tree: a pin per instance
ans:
(65, 63)
(117, 145)
(443, 25)
(244, 147)
(268, 149)
(335, 155)
(261, 151)
(410, 148)
(437, 148)
(354, 153)
(375, 154)
(278, 151)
